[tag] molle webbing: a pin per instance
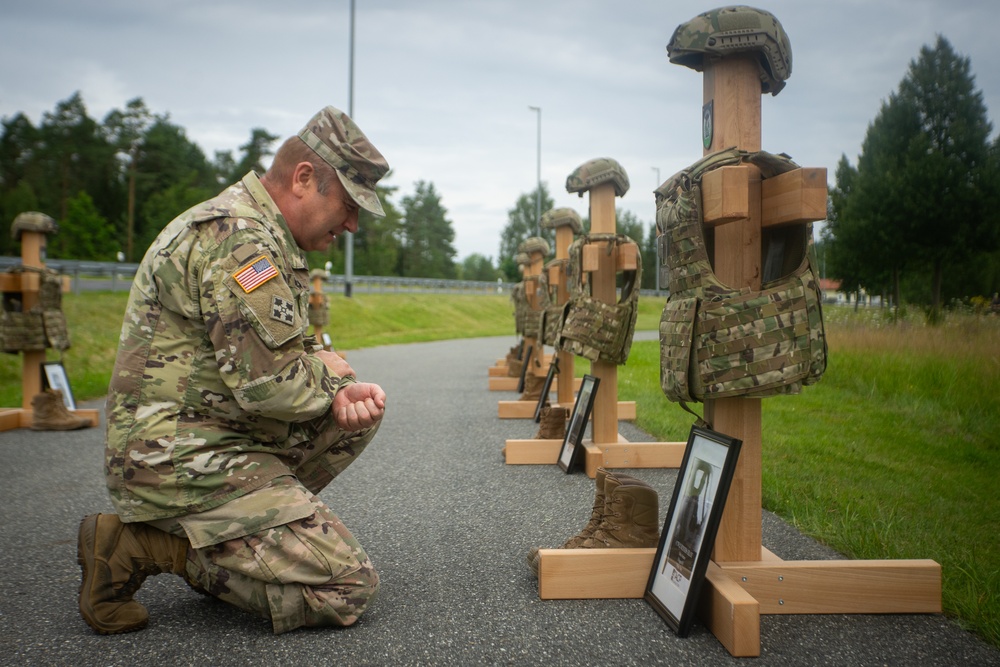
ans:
(40, 327)
(552, 313)
(594, 329)
(716, 341)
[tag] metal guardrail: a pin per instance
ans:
(88, 275)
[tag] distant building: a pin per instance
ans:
(830, 290)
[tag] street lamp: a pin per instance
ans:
(538, 181)
(349, 246)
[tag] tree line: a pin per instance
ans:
(916, 219)
(113, 184)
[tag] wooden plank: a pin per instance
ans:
(532, 452)
(604, 426)
(20, 282)
(503, 384)
(585, 574)
(497, 371)
(724, 195)
(590, 258)
(10, 419)
(740, 532)
(516, 409)
(526, 409)
(641, 454)
(795, 197)
(841, 586)
(628, 257)
(731, 613)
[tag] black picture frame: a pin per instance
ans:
(54, 377)
(543, 399)
(571, 453)
(689, 530)
(524, 369)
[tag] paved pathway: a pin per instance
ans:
(446, 522)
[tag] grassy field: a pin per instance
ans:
(894, 454)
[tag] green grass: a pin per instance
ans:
(894, 454)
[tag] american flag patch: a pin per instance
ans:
(256, 274)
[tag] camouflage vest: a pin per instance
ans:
(716, 341)
(319, 310)
(520, 302)
(530, 314)
(42, 326)
(593, 329)
(552, 313)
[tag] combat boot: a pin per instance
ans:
(49, 413)
(532, 386)
(115, 558)
(605, 482)
(631, 518)
(552, 425)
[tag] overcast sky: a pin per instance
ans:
(443, 87)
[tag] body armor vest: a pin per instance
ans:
(40, 327)
(593, 329)
(552, 313)
(716, 341)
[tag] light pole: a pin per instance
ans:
(538, 180)
(349, 246)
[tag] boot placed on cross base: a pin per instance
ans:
(606, 482)
(631, 518)
(532, 387)
(115, 558)
(552, 423)
(514, 366)
(49, 413)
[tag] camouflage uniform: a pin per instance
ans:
(219, 422)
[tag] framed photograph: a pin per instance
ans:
(327, 342)
(524, 369)
(54, 377)
(571, 454)
(543, 399)
(689, 530)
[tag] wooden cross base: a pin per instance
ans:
(623, 454)
(526, 409)
(734, 595)
(12, 418)
(500, 381)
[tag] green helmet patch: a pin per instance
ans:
(736, 29)
(596, 172)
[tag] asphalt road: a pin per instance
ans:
(447, 523)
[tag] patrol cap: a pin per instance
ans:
(735, 29)
(342, 145)
(595, 172)
(562, 217)
(32, 221)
